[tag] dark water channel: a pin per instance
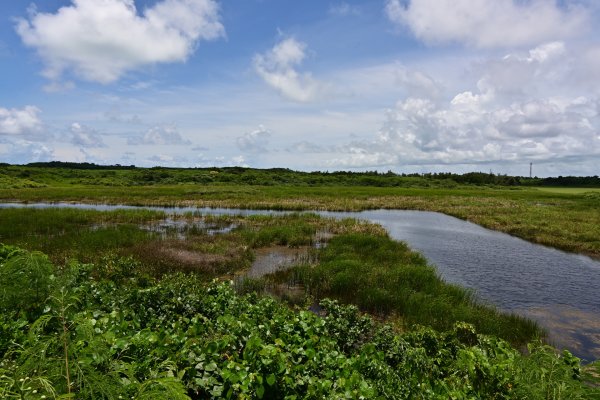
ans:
(559, 290)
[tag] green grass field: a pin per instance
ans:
(568, 190)
(568, 220)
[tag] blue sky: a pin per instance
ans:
(402, 85)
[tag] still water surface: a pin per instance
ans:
(559, 290)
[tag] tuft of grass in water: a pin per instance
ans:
(300, 234)
(384, 277)
(207, 256)
(291, 230)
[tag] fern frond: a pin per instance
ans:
(161, 388)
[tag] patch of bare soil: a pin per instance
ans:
(188, 257)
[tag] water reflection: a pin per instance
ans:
(557, 289)
(181, 228)
(269, 260)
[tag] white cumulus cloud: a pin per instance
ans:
(360, 158)
(518, 73)
(278, 68)
(489, 23)
(238, 161)
(159, 135)
(307, 147)
(22, 121)
(539, 116)
(24, 151)
(85, 136)
(255, 141)
(344, 9)
(469, 130)
(100, 40)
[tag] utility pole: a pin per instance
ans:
(530, 169)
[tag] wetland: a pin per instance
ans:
(554, 288)
(219, 290)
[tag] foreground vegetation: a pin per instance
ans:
(385, 278)
(111, 331)
(361, 265)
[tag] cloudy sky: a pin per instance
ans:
(401, 85)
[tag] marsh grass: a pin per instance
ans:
(568, 220)
(208, 256)
(190, 246)
(292, 231)
(568, 190)
(360, 264)
(384, 277)
(72, 233)
(23, 222)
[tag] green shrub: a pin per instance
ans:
(25, 279)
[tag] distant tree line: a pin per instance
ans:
(122, 175)
(579, 181)
(77, 165)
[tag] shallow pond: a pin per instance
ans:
(557, 289)
(277, 258)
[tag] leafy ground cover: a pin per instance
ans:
(111, 331)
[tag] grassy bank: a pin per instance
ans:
(72, 233)
(384, 277)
